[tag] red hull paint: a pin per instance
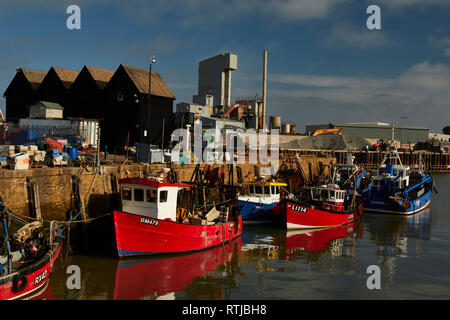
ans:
(34, 284)
(155, 236)
(150, 279)
(298, 215)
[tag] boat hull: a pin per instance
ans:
(256, 212)
(298, 215)
(414, 206)
(36, 275)
(139, 235)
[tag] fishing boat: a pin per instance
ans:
(320, 207)
(261, 203)
(395, 188)
(329, 205)
(153, 220)
(29, 260)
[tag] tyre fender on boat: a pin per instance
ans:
(19, 283)
(360, 209)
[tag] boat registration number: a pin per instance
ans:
(148, 221)
(40, 277)
(299, 209)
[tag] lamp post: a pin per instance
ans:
(152, 61)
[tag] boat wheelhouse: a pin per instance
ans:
(150, 197)
(153, 220)
(397, 189)
(260, 204)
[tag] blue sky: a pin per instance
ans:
(324, 64)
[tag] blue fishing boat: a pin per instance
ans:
(260, 203)
(395, 188)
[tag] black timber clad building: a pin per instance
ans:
(119, 99)
(22, 92)
(128, 119)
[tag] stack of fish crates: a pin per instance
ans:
(19, 161)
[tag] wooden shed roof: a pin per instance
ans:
(34, 77)
(140, 78)
(101, 76)
(66, 76)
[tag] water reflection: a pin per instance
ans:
(262, 258)
(293, 244)
(149, 279)
(397, 237)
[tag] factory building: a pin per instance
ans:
(214, 80)
(376, 130)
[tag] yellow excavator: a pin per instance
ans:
(328, 131)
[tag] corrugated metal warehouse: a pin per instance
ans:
(376, 130)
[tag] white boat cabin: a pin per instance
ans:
(391, 172)
(330, 196)
(263, 192)
(326, 193)
(150, 197)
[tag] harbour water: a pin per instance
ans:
(269, 263)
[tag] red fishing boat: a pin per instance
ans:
(321, 207)
(154, 221)
(25, 269)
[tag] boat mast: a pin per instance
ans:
(393, 152)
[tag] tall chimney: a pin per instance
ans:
(263, 125)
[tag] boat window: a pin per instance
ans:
(151, 196)
(252, 189)
(267, 190)
(126, 193)
(324, 194)
(163, 196)
(138, 194)
(277, 189)
(258, 190)
(332, 194)
(315, 194)
(273, 190)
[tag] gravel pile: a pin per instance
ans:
(328, 142)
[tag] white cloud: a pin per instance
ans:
(447, 52)
(443, 42)
(422, 93)
(400, 4)
(355, 36)
(195, 12)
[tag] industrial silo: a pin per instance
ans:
(275, 122)
(293, 129)
(285, 128)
